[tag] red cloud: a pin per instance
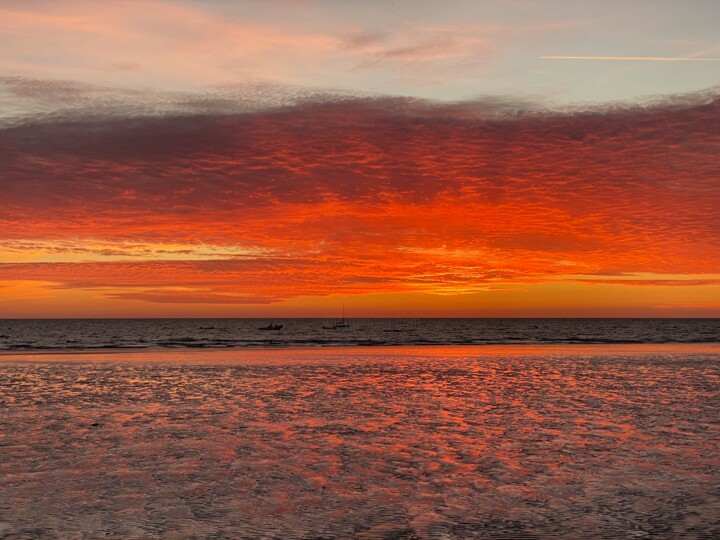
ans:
(370, 195)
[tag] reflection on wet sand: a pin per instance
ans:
(398, 443)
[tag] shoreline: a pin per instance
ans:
(224, 355)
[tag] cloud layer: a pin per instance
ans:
(317, 194)
(172, 44)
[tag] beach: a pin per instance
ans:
(527, 441)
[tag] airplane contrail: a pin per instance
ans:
(646, 58)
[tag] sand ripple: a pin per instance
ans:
(376, 444)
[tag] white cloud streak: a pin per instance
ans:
(633, 58)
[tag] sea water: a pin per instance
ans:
(71, 334)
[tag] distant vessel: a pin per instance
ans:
(272, 327)
(339, 324)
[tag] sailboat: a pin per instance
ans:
(339, 324)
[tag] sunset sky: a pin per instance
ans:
(403, 158)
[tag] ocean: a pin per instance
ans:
(76, 334)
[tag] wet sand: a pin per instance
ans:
(396, 443)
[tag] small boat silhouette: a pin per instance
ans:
(272, 327)
(339, 324)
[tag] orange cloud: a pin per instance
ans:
(341, 195)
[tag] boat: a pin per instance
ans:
(272, 327)
(339, 324)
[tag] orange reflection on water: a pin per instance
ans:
(373, 443)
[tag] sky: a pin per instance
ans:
(402, 158)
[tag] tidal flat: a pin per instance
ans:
(369, 443)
